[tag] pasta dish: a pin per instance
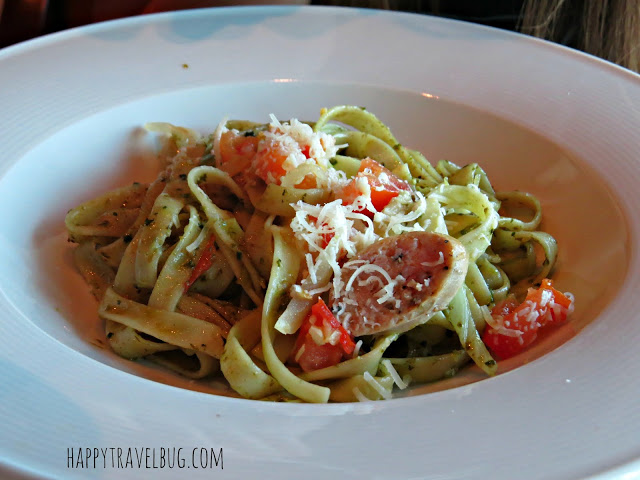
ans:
(315, 261)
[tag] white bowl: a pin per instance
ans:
(537, 117)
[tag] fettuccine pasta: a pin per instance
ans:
(315, 262)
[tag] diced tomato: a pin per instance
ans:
(384, 185)
(204, 262)
(310, 354)
(547, 294)
(501, 342)
(315, 357)
(269, 165)
(519, 324)
(237, 147)
(368, 166)
(323, 314)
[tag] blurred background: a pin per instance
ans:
(24, 19)
(609, 29)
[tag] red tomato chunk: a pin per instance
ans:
(517, 326)
(322, 340)
(385, 186)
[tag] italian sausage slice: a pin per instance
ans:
(395, 283)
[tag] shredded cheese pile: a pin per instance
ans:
(295, 137)
(334, 231)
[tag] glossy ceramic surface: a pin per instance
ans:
(537, 117)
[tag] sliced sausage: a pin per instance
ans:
(393, 284)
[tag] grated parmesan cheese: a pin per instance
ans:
(348, 230)
(361, 397)
(217, 135)
(384, 393)
(312, 272)
(403, 214)
(300, 352)
(367, 268)
(435, 263)
(356, 351)
(572, 299)
(299, 145)
(394, 374)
